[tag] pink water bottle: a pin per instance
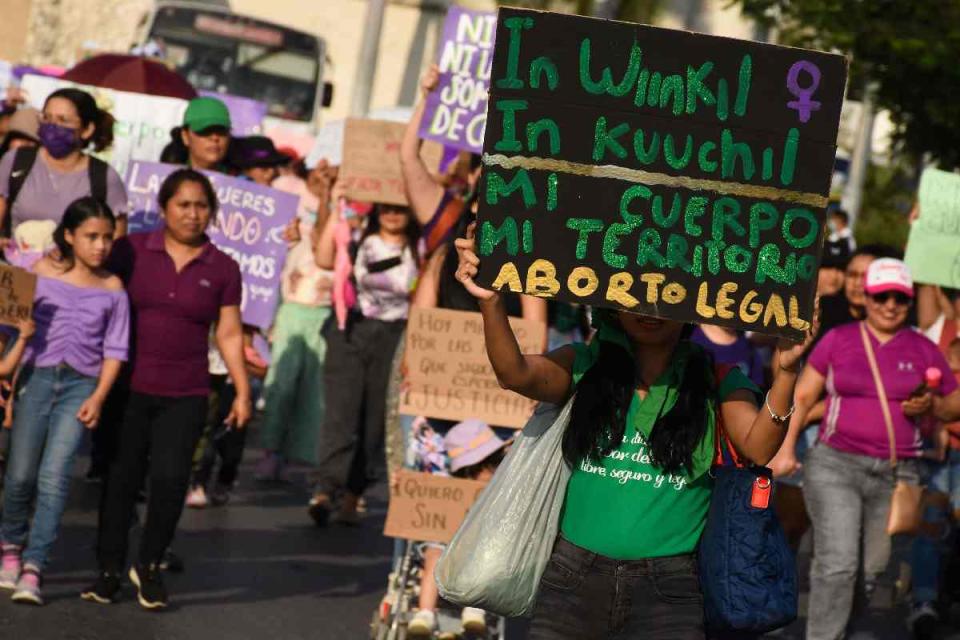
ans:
(932, 377)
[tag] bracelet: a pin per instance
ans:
(774, 416)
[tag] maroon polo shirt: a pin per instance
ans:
(173, 312)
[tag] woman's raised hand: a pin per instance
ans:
(789, 355)
(430, 80)
(470, 265)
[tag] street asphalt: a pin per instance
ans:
(256, 569)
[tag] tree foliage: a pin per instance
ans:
(907, 51)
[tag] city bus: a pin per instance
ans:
(218, 50)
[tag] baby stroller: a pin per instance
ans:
(403, 588)
(422, 450)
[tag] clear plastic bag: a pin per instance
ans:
(498, 555)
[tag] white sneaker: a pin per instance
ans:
(474, 620)
(422, 624)
(197, 498)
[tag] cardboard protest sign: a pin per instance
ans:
(456, 112)
(143, 122)
(248, 226)
(16, 294)
(933, 251)
(448, 375)
(668, 173)
(371, 160)
(429, 508)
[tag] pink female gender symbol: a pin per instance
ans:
(803, 104)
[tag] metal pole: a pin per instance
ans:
(367, 65)
(860, 162)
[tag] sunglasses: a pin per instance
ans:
(900, 298)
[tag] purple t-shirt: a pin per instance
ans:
(853, 421)
(173, 312)
(47, 193)
(78, 326)
(740, 354)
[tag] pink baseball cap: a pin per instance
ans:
(889, 274)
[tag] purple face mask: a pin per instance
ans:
(59, 141)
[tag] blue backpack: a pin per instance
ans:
(748, 573)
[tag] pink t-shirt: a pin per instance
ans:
(854, 420)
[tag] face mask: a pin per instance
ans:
(57, 140)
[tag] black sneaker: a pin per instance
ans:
(172, 562)
(151, 593)
(104, 590)
(923, 621)
(319, 509)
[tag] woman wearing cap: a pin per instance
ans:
(38, 185)
(848, 478)
(206, 134)
(640, 444)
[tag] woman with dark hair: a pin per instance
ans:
(180, 285)
(82, 318)
(359, 356)
(640, 444)
(40, 184)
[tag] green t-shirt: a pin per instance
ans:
(624, 507)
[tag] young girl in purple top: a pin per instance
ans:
(81, 339)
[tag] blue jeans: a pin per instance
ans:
(44, 442)
(927, 551)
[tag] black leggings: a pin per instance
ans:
(157, 440)
(355, 376)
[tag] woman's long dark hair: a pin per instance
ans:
(172, 183)
(412, 232)
(78, 212)
(599, 414)
(89, 113)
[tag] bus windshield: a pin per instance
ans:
(233, 54)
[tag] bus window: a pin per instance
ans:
(216, 50)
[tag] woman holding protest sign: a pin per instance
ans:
(179, 286)
(39, 185)
(82, 336)
(869, 440)
(293, 390)
(624, 564)
(360, 350)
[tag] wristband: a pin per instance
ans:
(781, 420)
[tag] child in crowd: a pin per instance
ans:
(219, 439)
(472, 452)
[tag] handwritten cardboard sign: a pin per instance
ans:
(248, 227)
(371, 160)
(429, 508)
(668, 173)
(933, 252)
(17, 288)
(456, 112)
(448, 375)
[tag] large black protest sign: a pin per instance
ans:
(668, 173)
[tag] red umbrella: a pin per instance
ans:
(131, 73)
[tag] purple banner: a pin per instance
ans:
(456, 113)
(246, 115)
(248, 227)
